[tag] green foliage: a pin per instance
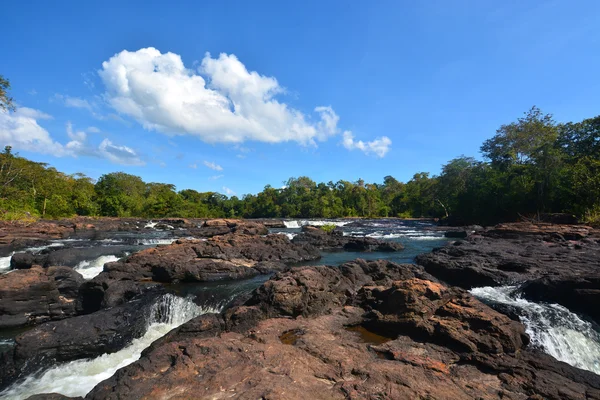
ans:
(328, 228)
(6, 102)
(533, 166)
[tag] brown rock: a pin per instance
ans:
(35, 295)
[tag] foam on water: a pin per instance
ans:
(90, 268)
(77, 378)
(290, 235)
(302, 222)
(38, 249)
(5, 263)
(152, 242)
(552, 327)
(150, 225)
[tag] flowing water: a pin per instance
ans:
(552, 328)
(89, 269)
(78, 377)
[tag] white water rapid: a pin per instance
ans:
(5, 263)
(89, 269)
(303, 222)
(552, 328)
(77, 378)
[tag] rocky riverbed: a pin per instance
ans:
(260, 320)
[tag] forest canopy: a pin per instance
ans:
(530, 166)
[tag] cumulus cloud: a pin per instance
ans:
(379, 147)
(22, 131)
(228, 191)
(213, 166)
(215, 177)
(221, 101)
(93, 129)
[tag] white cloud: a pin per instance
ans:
(213, 166)
(193, 166)
(379, 146)
(119, 154)
(93, 129)
(220, 102)
(22, 131)
(32, 92)
(228, 191)
(215, 177)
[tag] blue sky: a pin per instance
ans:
(231, 96)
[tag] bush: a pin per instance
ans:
(328, 228)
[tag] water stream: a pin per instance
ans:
(552, 328)
(77, 378)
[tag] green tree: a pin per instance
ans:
(6, 102)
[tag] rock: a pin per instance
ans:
(429, 311)
(557, 269)
(32, 296)
(85, 336)
(336, 241)
(222, 257)
(218, 227)
(579, 293)
(303, 335)
(457, 234)
(52, 396)
(22, 261)
(16, 234)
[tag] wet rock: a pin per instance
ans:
(85, 336)
(557, 269)
(35, 295)
(52, 396)
(336, 241)
(291, 341)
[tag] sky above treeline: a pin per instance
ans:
(229, 96)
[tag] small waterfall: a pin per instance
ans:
(291, 224)
(552, 328)
(89, 269)
(5, 263)
(77, 378)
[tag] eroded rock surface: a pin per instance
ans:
(559, 263)
(35, 295)
(222, 257)
(364, 330)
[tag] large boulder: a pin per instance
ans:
(35, 295)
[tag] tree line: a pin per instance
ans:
(530, 166)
